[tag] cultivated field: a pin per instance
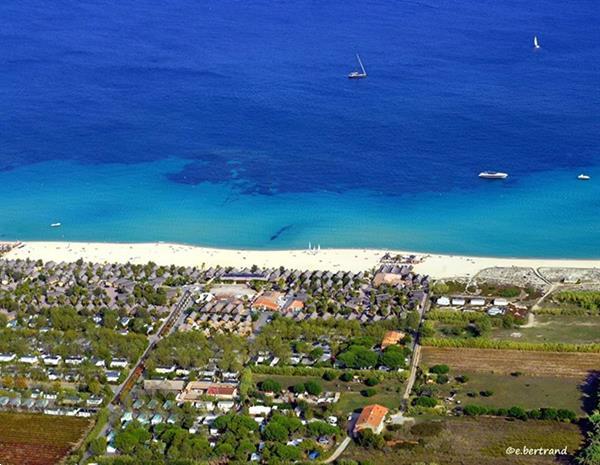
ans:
(473, 441)
(32, 439)
(534, 363)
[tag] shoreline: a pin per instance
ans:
(436, 266)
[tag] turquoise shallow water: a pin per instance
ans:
(550, 214)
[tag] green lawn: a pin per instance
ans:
(528, 392)
(351, 401)
(389, 392)
(556, 328)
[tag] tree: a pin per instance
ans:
(393, 358)
(275, 431)
(245, 383)
(110, 318)
(287, 453)
(269, 385)
(412, 320)
(427, 330)
(369, 440)
(483, 327)
(299, 388)
(21, 382)
(313, 388)
(358, 357)
(98, 446)
(95, 387)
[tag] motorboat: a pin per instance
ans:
(493, 175)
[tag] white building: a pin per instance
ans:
(443, 301)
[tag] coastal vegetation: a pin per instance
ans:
(468, 441)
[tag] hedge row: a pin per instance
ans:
(318, 372)
(453, 316)
(520, 413)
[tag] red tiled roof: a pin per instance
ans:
(371, 417)
(220, 391)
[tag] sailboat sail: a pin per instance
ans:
(361, 65)
(358, 74)
(535, 42)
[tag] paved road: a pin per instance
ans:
(416, 358)
(340, 449)
(416, 355)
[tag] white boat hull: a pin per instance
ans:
(493, 175)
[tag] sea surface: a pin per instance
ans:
(232, 123)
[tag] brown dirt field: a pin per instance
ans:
(35, 439)
(558, 364)
(15, 453)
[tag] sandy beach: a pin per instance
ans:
(436, 266)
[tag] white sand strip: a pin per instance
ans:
(436, 266)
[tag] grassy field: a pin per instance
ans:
(556, 328)
(389, 392)
(33, 439)
(534, 363)
(529, 392)
(472, 441)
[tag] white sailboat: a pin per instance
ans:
(536, 44)
(56, 225)
(358, 74)
(583, 177)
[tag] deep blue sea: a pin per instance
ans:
(232, 123)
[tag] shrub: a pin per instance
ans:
(517, 412)
(442, 379)
(346, 377)
(439, 369)
(486, 393)
(425, 401)
(462, 378)
(369, 392)
(329, 375)
(371, 381)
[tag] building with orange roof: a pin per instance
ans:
(391, 338)
(296, 304)
(371, 417)
(270, 301)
